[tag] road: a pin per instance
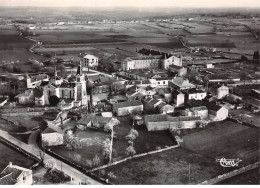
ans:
(72, 172)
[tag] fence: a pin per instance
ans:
(133, 157)
(230, 174)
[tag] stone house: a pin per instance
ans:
(90, 61)
(183, 122)
(52, 137)
(166, 93)
(34, 81)
(25, 98)
(16, 175)
(39, 97)
(166, 109)
(200, 111)
(156, 122)
(219, 91)
(180, 71)
(128, 107)
(218, 112)
(180, 83)
(92, 121)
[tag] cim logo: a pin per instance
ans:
(228, 162)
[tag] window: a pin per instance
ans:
(163, 82)
(24, 178)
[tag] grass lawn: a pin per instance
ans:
(169, 167)
(146, 141)
(9, 154)
(225, 139)
(10, 127)
(91, 146)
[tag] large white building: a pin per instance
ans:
(151, 59)
(90, 61)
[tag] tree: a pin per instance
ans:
(130, 151)
(54, 100)
(72, 142)
(96, 161)
(106, 148)
(62, 69)
(132, 135)
(51, 164)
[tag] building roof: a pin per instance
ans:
(149, 88)
(213, 107)
(166, 107)
(67, 85)
(2, 99)
(176, 67)
(44, 83)
(79, 70)
(156, 118)
(175, 93)
(193, 91)
(161, 105)
(88, 56)
(164, 91)
(92, 117)
(180, 82)
(184, 118)
(48, 130)
(200, 108)
(38, 92)
(9, 175)
(127, 104)
(39, 77)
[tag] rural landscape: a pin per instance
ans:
(129, 95)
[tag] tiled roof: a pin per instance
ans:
(127, 104)
(48, 130)
(193, 91)
(212, 106)
(7, 180)
(91, 117)
(184, 118)
(155, 118)
(166, 107)
(2, 99)
(39, 77)
(199, 108)
(149, 88)
(180, 82)
(67, 85)
(131, 92)
(176, 67)
(165, 91)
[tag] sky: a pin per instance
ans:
(134, 3)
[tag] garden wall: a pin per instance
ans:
(230, 174)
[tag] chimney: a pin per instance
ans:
(10, 164)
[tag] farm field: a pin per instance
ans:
(168, 167)
(146, 141)
(91, 146)
(225, 139)
(14, 47)
(11, 155)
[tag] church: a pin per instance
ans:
(70, 91)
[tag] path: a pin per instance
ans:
(75, 174)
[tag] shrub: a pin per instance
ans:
(130, 151)
(96, 161)
(54, 100)
(89, 163)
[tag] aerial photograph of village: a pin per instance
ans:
(129, 92)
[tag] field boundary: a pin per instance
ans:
(230, 174)
(135, 156)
